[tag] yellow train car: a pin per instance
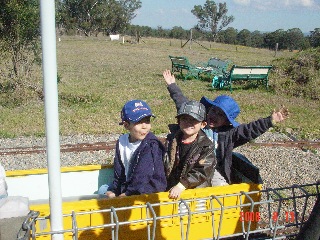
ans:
(199, 214)
(205, 213)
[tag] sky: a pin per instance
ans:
(261, 15)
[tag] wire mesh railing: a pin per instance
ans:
(279, 213)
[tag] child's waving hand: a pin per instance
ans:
(168, 77)
(280, 114)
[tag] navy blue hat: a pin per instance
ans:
(135, 110)
(227, 104)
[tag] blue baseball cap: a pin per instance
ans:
(135, 110)
(227, 104)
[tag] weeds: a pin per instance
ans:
(299, 75)
(84, 99)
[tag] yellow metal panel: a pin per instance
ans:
(133, 209)
(20, 173)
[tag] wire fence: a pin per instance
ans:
(278, 213)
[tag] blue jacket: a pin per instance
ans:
(228, 136)
(146, 169)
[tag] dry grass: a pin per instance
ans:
(98, 76)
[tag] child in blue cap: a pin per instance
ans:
(138, 161)
(222, 127)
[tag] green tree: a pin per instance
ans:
(295, 40)
(119, 14)
(93, 16)
(130, 6)
(161, 32)
(81, 16)
(228, 36)
(112, 17)
(244, 37)
(257, 39)
(271, 39)
(212, 17)
(178, 33)
(19, 35)
(314, 37)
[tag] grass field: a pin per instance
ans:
(97, 76)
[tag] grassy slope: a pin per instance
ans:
(99, 76)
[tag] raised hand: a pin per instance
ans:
(168, 77)
(278, 115)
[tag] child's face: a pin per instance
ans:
(138, 130)
(189, 125)
(217, 118)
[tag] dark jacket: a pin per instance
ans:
(198, 167)
(228, 136)
(146, 169)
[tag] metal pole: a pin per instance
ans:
(276, 50)
(49, 68)
(191, 38)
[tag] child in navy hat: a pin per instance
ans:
(190, 161)
(222, 127)
(138, 161)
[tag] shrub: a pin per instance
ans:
(299, 75)
(85, 99)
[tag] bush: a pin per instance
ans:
(13, 94)
(71, 99)
(300, 75)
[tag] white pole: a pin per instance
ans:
(49, 68)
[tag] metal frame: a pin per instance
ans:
(297, 200)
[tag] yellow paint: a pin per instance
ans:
(21, 173)
(168, 228)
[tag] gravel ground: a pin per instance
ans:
(283, 166)
(279, 166)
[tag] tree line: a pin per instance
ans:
(90, 17)
(291, 39)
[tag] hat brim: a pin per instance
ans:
(138, 119)
(209, 103)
